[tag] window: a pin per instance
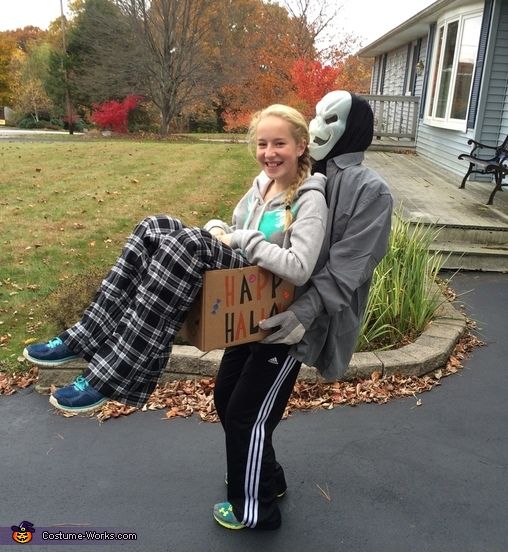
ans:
(455, 50)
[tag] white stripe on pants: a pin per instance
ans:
(253, 471)
(252, 389)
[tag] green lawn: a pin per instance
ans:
(67, 206)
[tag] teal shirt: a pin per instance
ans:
(273, 221)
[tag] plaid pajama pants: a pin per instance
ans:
(127, 332)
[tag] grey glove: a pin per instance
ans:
(290, 332)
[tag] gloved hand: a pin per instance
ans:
(290, 332)
(216, 231)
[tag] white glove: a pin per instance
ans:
(216, 231)
(290, 332)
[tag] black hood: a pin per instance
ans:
(357, 136)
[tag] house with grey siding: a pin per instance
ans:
(452, 59)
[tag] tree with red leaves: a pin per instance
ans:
(312, 80)
(114, 115)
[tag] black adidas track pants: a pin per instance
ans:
(252, 389)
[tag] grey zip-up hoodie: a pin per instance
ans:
(258, 228)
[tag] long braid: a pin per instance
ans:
(304, 166)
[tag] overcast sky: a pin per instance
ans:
(368, 19)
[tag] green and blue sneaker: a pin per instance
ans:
(52, 353)
(223, 515)
(79, 396)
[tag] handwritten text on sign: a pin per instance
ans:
(231, 305)
(250, 290)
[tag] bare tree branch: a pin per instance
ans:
(314, 17)
(174, 33)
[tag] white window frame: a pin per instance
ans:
(460, 16)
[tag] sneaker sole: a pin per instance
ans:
(233, 527)
(48, 362)
(77, 409)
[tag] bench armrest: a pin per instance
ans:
(480, 145)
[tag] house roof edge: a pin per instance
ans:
(414, 27)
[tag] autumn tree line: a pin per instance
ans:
(179, 64)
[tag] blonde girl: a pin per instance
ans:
(281, 223)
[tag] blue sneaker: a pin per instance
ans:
(223, 515)
(52, 353)
(79, 396)
(69, 390)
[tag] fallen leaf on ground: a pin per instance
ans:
(9, 383)
(326, 493)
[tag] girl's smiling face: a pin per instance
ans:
(277, 151)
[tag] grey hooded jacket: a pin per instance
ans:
(331, 305)
(290, 254)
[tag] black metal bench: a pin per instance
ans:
(497, 165)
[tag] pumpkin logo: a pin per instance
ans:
(22, 533)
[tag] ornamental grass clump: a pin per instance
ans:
(403, 296)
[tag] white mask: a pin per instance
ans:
(329, 123)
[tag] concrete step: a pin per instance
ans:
(487, 236)
(473, 257)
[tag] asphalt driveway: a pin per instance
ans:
(373, 478)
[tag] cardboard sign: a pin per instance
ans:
(232, 302)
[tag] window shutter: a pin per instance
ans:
(377, 76)
(480, 61)
(407, 72)
(416, 58)
(383, 71)
(428, 63)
